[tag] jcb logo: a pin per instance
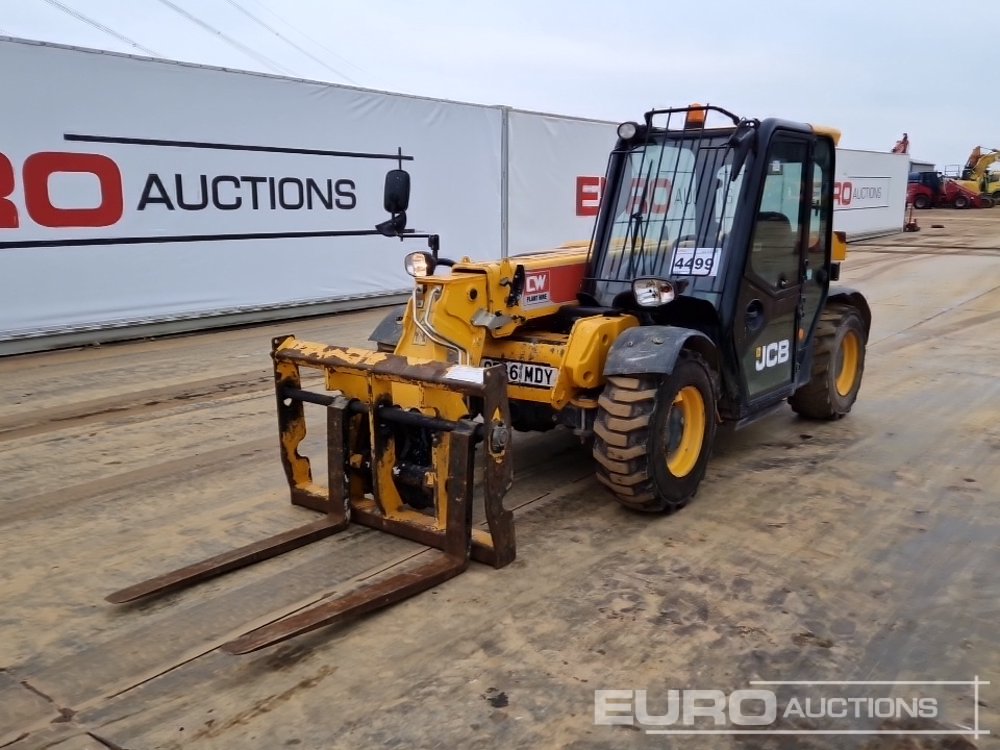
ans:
(772, 354)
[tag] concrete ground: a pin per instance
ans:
(864, 549)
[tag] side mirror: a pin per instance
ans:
(396, 197)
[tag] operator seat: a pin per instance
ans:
(773, 244)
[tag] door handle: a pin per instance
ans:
(754, 316)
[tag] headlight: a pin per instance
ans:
(627, 130)
(652, 292)
(419, 264)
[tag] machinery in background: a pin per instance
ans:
(977, 175)
(933, 189)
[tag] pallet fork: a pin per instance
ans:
(372, 398)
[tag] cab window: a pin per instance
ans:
(774, 255)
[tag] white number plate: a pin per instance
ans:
(525, 374)
(696, 261)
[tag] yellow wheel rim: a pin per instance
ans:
(686, 425)
(849, 356)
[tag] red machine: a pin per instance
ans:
(930, 189)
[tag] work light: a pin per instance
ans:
(627, 130)
(419, 264)
(651, 292)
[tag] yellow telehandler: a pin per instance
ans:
(703, 298)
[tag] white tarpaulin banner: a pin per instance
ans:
(138, 191)
(870, 192)
(135, 190)
(556, 166)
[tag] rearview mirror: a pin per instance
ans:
(396, 197)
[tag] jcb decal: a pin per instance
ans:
(770, 355)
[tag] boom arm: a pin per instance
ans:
(979, 163)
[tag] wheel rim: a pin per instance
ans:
(686, 431)
(847, 363)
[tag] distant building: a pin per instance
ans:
(921, 166)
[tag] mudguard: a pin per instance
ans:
(390, 330)
(853, 297)
(655, 349)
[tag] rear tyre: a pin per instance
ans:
(838, 363)
(961, 202)
(653, 435)
(921, 202)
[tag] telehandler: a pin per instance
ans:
(704, 298)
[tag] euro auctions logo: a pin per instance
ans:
(35, 177)
(145, 187)
(791, 708)
(745, 708)
(654, 199)
(163, 192)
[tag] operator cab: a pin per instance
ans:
(724, 227)
(668, 209)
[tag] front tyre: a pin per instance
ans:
(653, 435)
(838, 363)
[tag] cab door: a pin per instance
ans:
(816, 263)
(768, 311)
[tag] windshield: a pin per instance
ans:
(673, 210)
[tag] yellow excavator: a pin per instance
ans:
(703, 299)
(977, 177)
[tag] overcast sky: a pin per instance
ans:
(873, 68)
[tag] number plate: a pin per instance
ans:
(696, 261)
(526, 374)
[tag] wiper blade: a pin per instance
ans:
(635, 220)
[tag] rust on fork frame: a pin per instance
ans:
(372, 478)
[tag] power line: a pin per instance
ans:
(80, 17)
(261, 58)
(285, 39)
(319, 44)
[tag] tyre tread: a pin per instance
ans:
(814, 400)
(622, 438)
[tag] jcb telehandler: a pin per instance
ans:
(703, 298)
